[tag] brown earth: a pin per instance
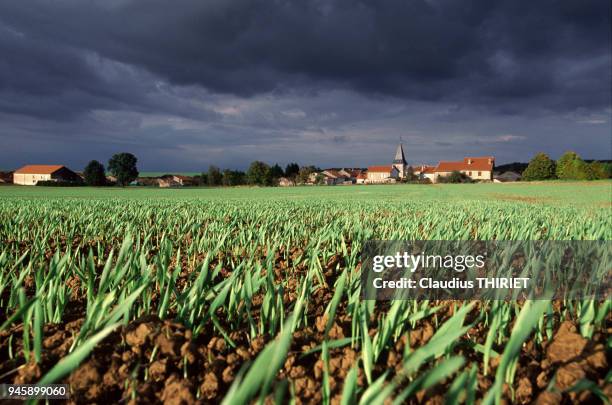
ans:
(153, 360)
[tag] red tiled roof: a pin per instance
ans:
(425, 169)
(469, 163)
(38, 169)
(428, 169)
(380, 169)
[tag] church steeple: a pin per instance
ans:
(400, 161)
(399, 155)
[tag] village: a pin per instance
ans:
(470, 169)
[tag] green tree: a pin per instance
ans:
(292, 170)
(94, 174)
(597, 171)
(233, 177)
(571, 167)
(541, 167)
(304, 173)
(204, 179)
(276, 172)
(259, 173)
(580, 170)
(214, 176)
(123, 167)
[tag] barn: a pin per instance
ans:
(31, 174)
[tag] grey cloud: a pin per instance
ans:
(225, 79)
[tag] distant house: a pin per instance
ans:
(30, 175)
(332, 177)
(505, 177)
(382, 174)
(285, 182)
(168, 182)
(476, 168)
(183, 180)
(347, 173)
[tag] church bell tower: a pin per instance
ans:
(400, 161)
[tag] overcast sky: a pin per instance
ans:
(186, 84)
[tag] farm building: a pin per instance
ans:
(30, 175)
(382, 174)
(476, 168)
(505, 177)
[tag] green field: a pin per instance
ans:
(596, 193)
(240, 294)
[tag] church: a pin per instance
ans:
(389, 173)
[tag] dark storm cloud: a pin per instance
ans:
(468, 50)
(160, 74)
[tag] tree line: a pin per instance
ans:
(122, 166)
(570, 166)
(259, 173)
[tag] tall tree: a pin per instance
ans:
(123, 167)
(214, 176)
(259, 173)
(571, 167)
(276, 172)
(541, 167)
(204, 179)
(292, 170)
(94, 174)
(233, 177)
(597, 171)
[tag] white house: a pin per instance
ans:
(476, 168)
(382, 174)
(30, 175)
(285, 182)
